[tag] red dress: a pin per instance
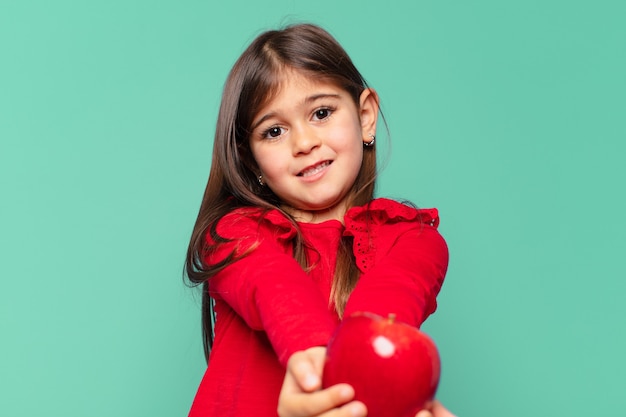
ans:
(268, 308)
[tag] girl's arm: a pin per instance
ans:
(405, 280)
(267, 288)
(302, 396)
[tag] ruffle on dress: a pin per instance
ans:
(281, 228)
(363, 224)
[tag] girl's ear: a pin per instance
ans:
(368, 112)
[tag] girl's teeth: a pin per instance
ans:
(315, 169)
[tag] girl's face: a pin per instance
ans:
(308, 144)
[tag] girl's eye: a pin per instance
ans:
(321, 114)
(273, 132)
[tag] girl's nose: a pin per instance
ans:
(304, 141)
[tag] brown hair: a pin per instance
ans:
(233, 177)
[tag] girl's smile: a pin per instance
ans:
(315, 169)
(308, 143)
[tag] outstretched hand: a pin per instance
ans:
(302, 396)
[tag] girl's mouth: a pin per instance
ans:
(314, 169)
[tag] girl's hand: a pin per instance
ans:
(437, 410)
(302, 396)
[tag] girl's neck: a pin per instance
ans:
(317, 216)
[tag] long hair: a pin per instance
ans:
(233, 183)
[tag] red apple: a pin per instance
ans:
(394, 368)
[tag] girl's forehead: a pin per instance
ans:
(297, 84)
(294, 78)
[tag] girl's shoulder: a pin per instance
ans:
(377, 226)
(383, 211)
(255, 221)
(244, 229)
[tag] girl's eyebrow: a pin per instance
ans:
(315, 97)
(308, 100)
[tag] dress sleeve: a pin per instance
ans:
(266, 286)
(403, 260)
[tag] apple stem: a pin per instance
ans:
(391, 317)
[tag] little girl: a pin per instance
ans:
(289, 238)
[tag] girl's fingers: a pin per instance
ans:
(437, 410)
(321, 403)
(441, 411)
(303, 367)
(306, 368)
(352, 409)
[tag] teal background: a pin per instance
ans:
(509, 116)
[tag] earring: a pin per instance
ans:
(260, 178)
(371, 142)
